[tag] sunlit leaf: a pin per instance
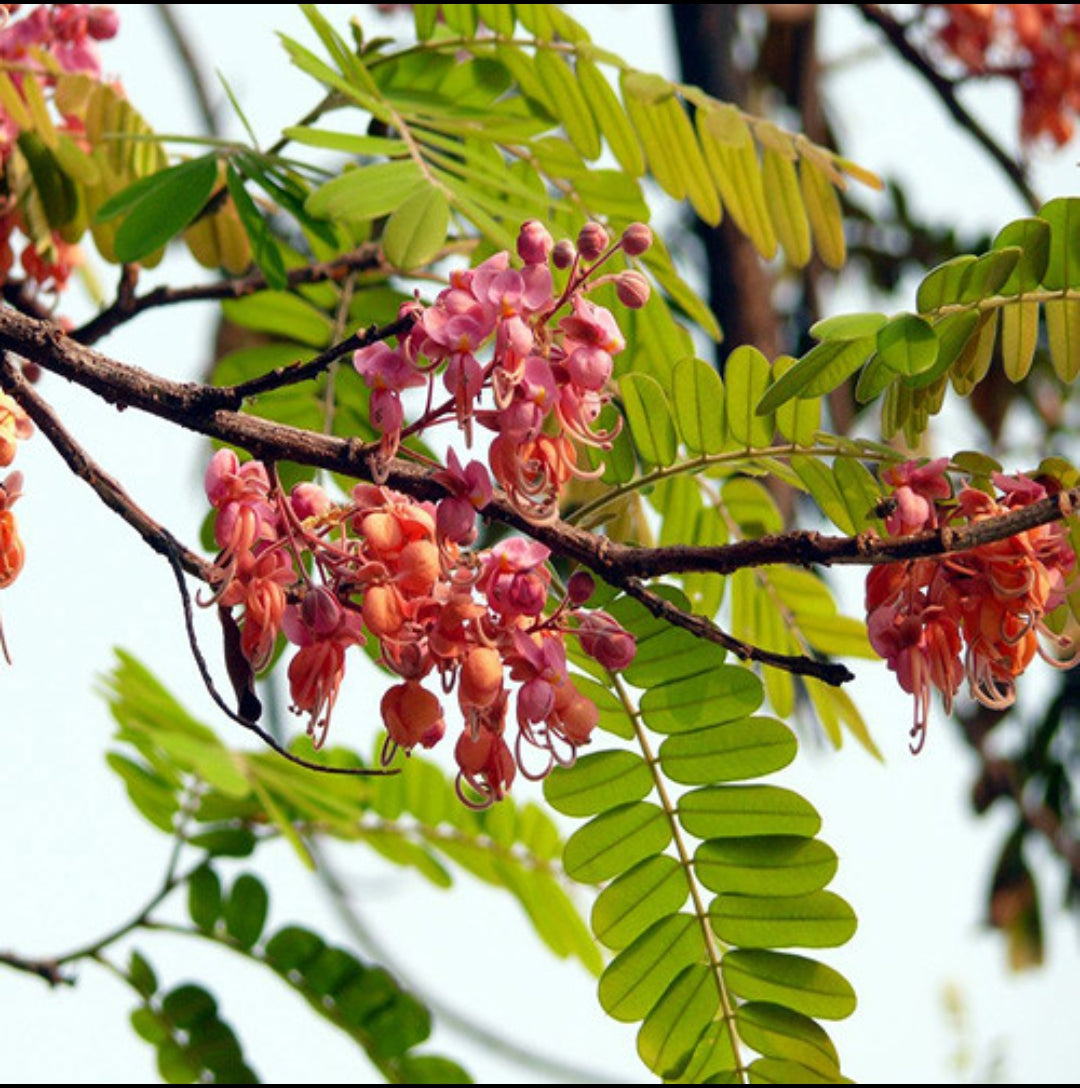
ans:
(634, 900)
(793, 981)
(615, 840)
(416, 230)
(698, 400)
(746, 377)
(720, 812)
(649, 416)
(637, 977)
(775, 865)
(747, 748)
(724, 694)
(818, 920)
(673, 1026)
(598, 781)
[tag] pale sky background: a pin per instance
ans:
(76, 860)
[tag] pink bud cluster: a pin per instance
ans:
(384, 569)
(527, 361)
(978, 614)
(47, 39)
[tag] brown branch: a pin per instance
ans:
(945, 89)
(191, 406)
(49, 970)
(705, 629)
(128, 305)
(107, 489)
(160, 540)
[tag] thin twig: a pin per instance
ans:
(180, 559)
(945, 89)
(189, 61)
(365, 258)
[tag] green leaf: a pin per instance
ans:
(1019, 338)
(795, 982)
(649, 417)
(824, 489)
(634, 900)
(187, 1004)
(719, 812)
(141, 975)
(824, 212)
(734, 750)
(614, 125)
(615, 840)
(798, 420)
(781, 181)
(941, 285)
(732, 160)
(598, 781)
(670, 654)
(416, 231)
(162, 206)
(281, 314)
(725, 694)
(232, 842)
(778, 1032)
(985, 277)
(907, 344)
(857, 326)
(562, 88)
(245, 910)
(1032, 237)
(765, 865)
(1063, 263)
(365, 192)
(824, 367)
(264, 247)
(204, 898)
(818, 920)
(752, 507)
(697, 393)
(638, 976)
(1063, 334)
(674, 1025)
(746, 377)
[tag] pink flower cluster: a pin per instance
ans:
(15, 426)
(978, 614)
(65, 34)
(1034, 45)
(527, 361)
(332, 576)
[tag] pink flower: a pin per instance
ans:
(514, 577)
(606, 641)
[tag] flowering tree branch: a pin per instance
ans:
(210, 411)
(945, 89)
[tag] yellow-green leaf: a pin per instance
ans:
(649, 416)
(793, 981)
(698, 397)
(633, 901)
(416, 231)
(774, 865)
(784, 196)
(614, 841)
(824, 212)
(1019, 338)
(818, 920)
(1063, 334)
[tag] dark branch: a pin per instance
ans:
(49, 970)
(192, 406)
(945, 89)
(128, 305)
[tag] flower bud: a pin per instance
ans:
(580, 587)
(562, 256)
(592, 241)
(632, 289)
(636, 239)
(534, 243)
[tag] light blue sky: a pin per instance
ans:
(75, 860)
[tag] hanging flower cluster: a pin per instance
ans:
(1035, 45)
(532, 365)
(15, 425)
(528, 362)
(978, 614)
(382, 566)
(47, 39)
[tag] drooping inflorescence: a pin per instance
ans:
(531, 364)
(978, 614)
